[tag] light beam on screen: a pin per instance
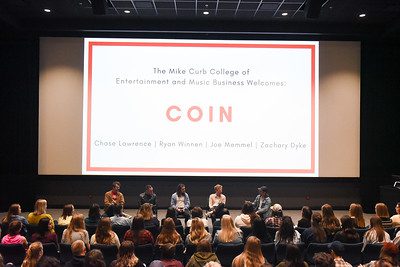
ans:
(200, 108)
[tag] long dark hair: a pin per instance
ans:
(293, 256)
(286, 230)
(179, 190)
(12, 210)
(316, 226)
(43, 226)
(306, 213)
(259, 230)
(94, 212)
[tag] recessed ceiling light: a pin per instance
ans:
(206, 5)
(362, 15)
(284, 14)
(127, 11)
(206, 13)
(47, 10)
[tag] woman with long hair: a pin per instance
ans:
(348, 234)
(168, 233)
(203, 255)
(259, 230)
(375, 234)
(150, 221)
(314, 234)
(44, 234)
(171, 213)
(305, 221)
(197, 232)
(14, 214)
(251, 255)
(228, 233)
(293, 257)
(138, 234)
(286, 233)
(66, 215)
(126, 256)
(33, 255)
(330, 223)
(76, 231)
(94, 215)
(104, 234)
(14, 236)
(247, 216)
(357, 214)
(381, 210)
(39, 213)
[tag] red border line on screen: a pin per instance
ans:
(201, 170)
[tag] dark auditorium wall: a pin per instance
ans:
(380, 145)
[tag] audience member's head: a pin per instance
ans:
(337, 248)
(168, 251)
(397, 208)
(171, 213)
(356, 211)
(118, 209)
(68, 210)
(251, 255)
(14, 228)
(94, 258)
(204, 246)
(197, 212)
(137, 223)
(212, 264)
(347, 222)
(220, 211)
(247, 208)
(109, 211)
(77, 223)
(47, 261)
(14, 209)
(126, 255)
(327, 212)
(390, 252)
(293, 255)
(103, 231)
(33, 254)
(44, 226)
(381, 210)
(323, 259)
(276, 210)
(146, 211)
(306, 213)
(78, 248)
(94, 212)
(40, 206)
(286, 229)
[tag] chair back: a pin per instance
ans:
(14, 253)
(371, 252)
(361, 232)
(4, 229)
(145, 253)
(31, 229)
(59, 229)
(110, 252)
(190, 250)
(246, 231)
(179, 229)
(65, 253)
(300, 229)
(120, 230)
(268, 250)
(272, 231)
(352, 253)
(91, 229)
(51, 250)
(281, 251)
(227, 252)
(154, 230)
(179, 249)
(391, 231)
(315, 248)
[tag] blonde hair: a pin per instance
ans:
(77, 224)
(40, 206)
(197, 231)
(251, 255)
(146, 211)
(228, 231)
(356, 211)
(217, 186)
(168, 233)
(33, 255)
(381, 210)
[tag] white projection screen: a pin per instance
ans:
(199, 107)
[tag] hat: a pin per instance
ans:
(337, 247)
(263, 188)
(276, 207)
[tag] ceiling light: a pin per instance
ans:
(47, 10)
(206, 13)
(284, 14)
(206, 5)
(362, 15)
(127, 11)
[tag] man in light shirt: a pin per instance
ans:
(215, 199)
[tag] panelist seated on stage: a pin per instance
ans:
(150, 197)
(180, 202)
(114, 197)
(217, 198)
(262, 203)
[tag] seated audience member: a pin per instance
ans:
(138, 234)
(104, 235)
(388, 256)
(76, 231)
(94, 258)
(14, 236)
(148, 196)
(126, 256)
(44, 234)
(14, 214)
(247, 216)
(276, 216)
(305, 221)
(251, 255)
(323, 259)
(78, 251)
(119, 217)
(203, 255)
(314, 234)
(228, 233)
(348, 234)
(382, 212)
(197, 232)
(357, 214)
(396, 218)
(197, 212)
(114, 197)
(33, 255)
(150, 221)
(293, 257)
(330, 223)
(93, 216)
(39, 213)
(337, 250)
(180, 201)
(262, 203)
(212, 264)
(259, 230)
(66, 215)
(168, 233)
(220, 211)
(171, 213)
(376, 234)
(46, 261)
(215, 199)
(167, 257)
(286, 233)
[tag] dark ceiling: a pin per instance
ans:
(334, 19)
